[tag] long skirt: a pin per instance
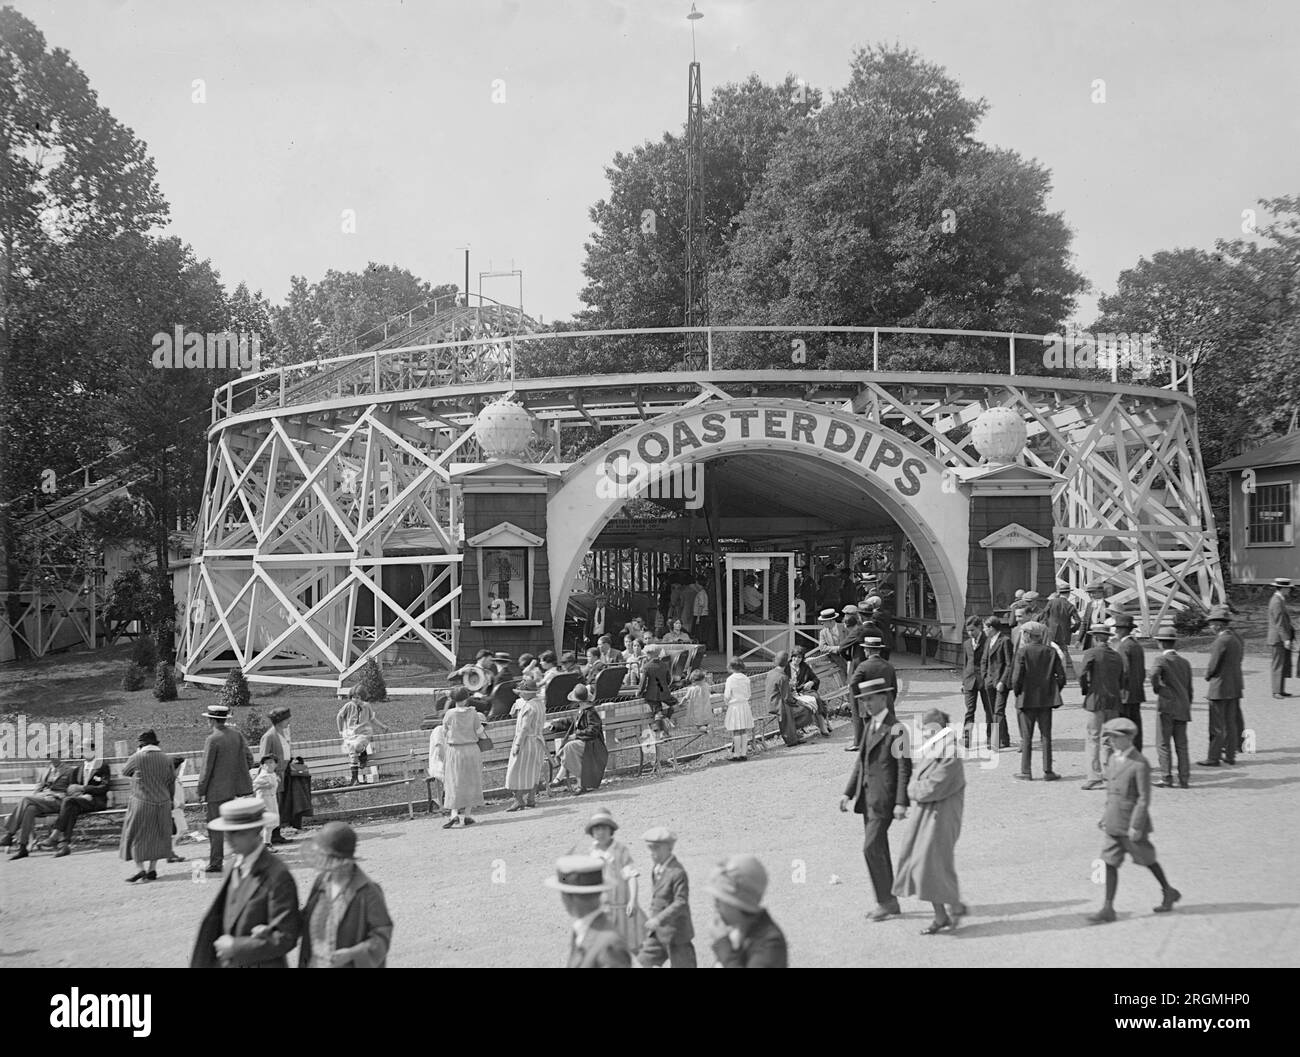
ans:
(527, 758)
(463, 780)
(586, 760)
(147, 831)
(926, 861)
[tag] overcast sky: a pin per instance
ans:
(313, 108)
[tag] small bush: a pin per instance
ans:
(253, 726)
(164, 685)
(372, 684)
(144, 653)
(234, 694)
(1190, 621)
(135, 677)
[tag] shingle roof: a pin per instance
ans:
(1282, 451)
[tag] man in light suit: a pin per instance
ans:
(254, 922)
(1132, 691)
(275, 742)
(593, 943)
(227, 762)
(1094, 612)
(1101, 679)
(46, 799)
(877, 790)
(1127, 819)
(669, 930)
(1281, 636)
(1223, 674)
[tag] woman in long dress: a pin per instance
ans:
(740, 718)
(463, 776)
(620, 903)
(528, 751)
(147, 831)
(583, 754)
(926, 866)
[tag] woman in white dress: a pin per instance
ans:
(620, 902)
(528, 752)
(463, 777)
(740, 719)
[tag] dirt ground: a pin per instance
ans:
(474, 897)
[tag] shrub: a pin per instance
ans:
(143, 653)
(135, 676)
(164, 686)
(372, 684)
(1190, 621)
(234, 694)
(253, 726)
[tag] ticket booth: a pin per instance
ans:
(760, 605)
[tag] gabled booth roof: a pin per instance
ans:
(505, 535)
(1281, 451)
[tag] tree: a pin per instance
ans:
(164, 687)
(371, 685)
(234, 691)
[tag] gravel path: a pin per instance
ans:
(474, 897)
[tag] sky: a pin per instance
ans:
(311, 108)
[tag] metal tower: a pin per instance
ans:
(696, 306)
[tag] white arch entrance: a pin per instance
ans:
(906, 481)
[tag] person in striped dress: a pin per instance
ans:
(464, 767)
(528, 752)
(147, 831)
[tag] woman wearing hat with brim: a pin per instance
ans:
(147, 831)
(528, 750)
(345, 921)
(463, 772)
(583, 754)
(828, 632)
(744, 935)
(621, 903)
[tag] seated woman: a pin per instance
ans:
(676, 634)
(635, 659)
(805, 683)
(583, 754)
(550, 668)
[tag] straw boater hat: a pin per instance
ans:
(827, 614)
(873, 686)
(1119, 726)
(245, 812)
(501, 655)
(215, 711)
(659, 835)
(279, 715)
(579, 874)
(602, 817)
(873, 642)
(1219, 613)
(739, 882)
(1281, 581)
(1101, 629)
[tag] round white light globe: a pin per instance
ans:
(999, 434)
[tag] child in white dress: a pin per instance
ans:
(266, 784)
(740, 719)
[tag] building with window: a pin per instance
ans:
(1264, 506)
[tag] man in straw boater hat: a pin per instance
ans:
(227, 762)
(345, 922)
(877, 790)
(669, 930)
(1281, 636)
(1127, 818)
(593, 943)
(254, 921)
(1100, 677)
(1171, 679)
(872, 666)
(275, 742)
(1223, 674)
(744, 936)
(1132, 687)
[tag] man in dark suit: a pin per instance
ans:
(873, 666)
(1100, 679)
(254, 921)
(877, 790)
(601, 620)
(1171, 679)
(669, 930)
(995, 674)
(1223, 674)
(1126, 820)
(1060, 617)
(656, 685)
(1281, 636)
(1133, 688)
(1037, 681)
(227, 762)
(275, 742)
(972, 679)
(46, 799)
(87, 792)
(593, 943)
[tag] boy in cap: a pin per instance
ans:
(1171, 679)
(668, 928)
(1099, 679)
(1281, 636)
(1223, 674)
(745, 936)
(1127, 818)
(593, 944)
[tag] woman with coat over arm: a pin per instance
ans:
(147, 831)
(937, 789)
(345, 919)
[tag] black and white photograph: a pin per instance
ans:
(651, 484)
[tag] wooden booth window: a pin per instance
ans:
(1268, 517)
(506, 576)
